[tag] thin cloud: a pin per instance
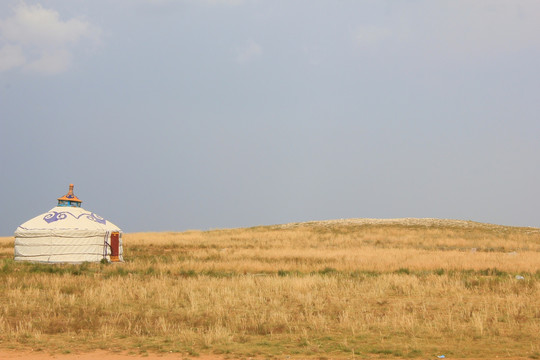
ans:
(37, 40)
(11, 56)
(51, 62)
(249, 52)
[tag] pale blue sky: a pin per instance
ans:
(173, 115)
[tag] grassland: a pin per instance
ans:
(336, 289)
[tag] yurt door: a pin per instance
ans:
(115, 246)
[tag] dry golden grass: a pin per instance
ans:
(324, 290)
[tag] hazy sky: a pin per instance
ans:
(199, 114)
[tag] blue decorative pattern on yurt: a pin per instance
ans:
(56, 216)
(69, 203)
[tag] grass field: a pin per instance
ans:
(335, 289)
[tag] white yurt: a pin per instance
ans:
(68, 234)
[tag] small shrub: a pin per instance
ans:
(405, 271)
(328, 271)
(187, 274)
(283, 273)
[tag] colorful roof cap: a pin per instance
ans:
(70, 197)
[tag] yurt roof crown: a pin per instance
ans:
(69, 199)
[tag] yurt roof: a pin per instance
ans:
(66, 221)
